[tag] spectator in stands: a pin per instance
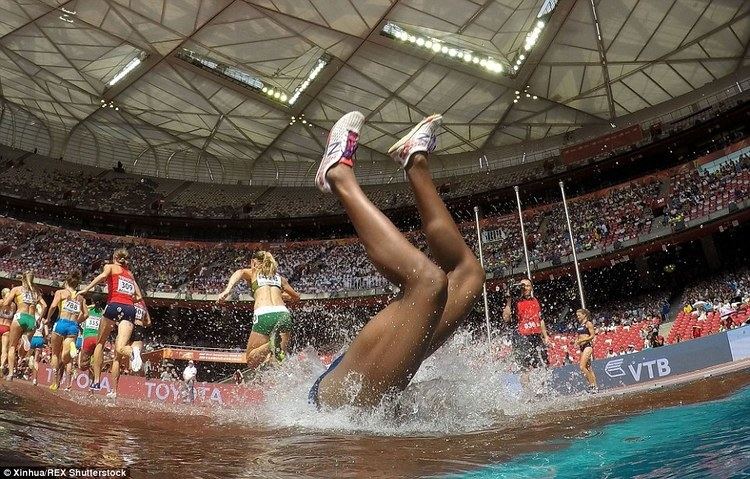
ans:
(530, 336)
(697, 331)
(655, 340)
(665, 307)
(611, 353)
(630, 350)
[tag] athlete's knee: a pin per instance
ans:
(471, 275)
(432, 281)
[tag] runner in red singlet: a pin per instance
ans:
(123, 292)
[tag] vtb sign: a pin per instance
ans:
(655, 367)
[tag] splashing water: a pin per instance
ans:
(464, 387)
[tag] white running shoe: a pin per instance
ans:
(342, 143)
(421, 138)
(135, 360)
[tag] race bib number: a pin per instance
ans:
(125, 286)
(73, 307)
(140, 313)
(93, 322)
(27, 297)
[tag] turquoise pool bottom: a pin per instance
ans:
(697, 441)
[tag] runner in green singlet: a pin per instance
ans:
(272, 323)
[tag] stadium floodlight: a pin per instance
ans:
(247, 80)
(536, 31)
(131, 65)
(320, 64)
(454, 52)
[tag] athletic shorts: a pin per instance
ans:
(266, 322)
(582, 347)
(26, 321)
(79, 342)
(89, 344)
(312, 396)
(530, 351)
(137, 334)
(4, 328)
(37, 342)
(65, 328)
(120, 312)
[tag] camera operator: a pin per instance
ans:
(530, 337)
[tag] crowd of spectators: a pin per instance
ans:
(723, 294)
(61, 182)
(599, 220)
(699, 192)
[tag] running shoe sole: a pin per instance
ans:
(135, 361)
(337, 144)
(409, 136)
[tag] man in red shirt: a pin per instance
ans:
(530, 338)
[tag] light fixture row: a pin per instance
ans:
(525, 93)
(250, 81)
(105, 104)
(319, 65)
(439, 47)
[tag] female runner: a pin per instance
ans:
(142, 320)
(6, 318)
(270, 315)
(36, 345)
(26, 296)
(91, 332)
(434, 299)
(72, 311)
(123, 291)
(585, 343)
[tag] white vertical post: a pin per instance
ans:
(572, 245)
(484, 283)
(523, 234)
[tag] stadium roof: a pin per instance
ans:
(195, 108)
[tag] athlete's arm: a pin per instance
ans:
(138, 295)
(102, 276)
(288, 290)
(233, 280)
(592, 331)
(507, 311)
(84, 310)
(11, 296)
(43, 303)
(55, 304)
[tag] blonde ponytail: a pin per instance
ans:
(27, 280)
(268, 265)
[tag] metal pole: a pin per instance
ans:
(572, 245)
(484, 283)
(523, 233)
